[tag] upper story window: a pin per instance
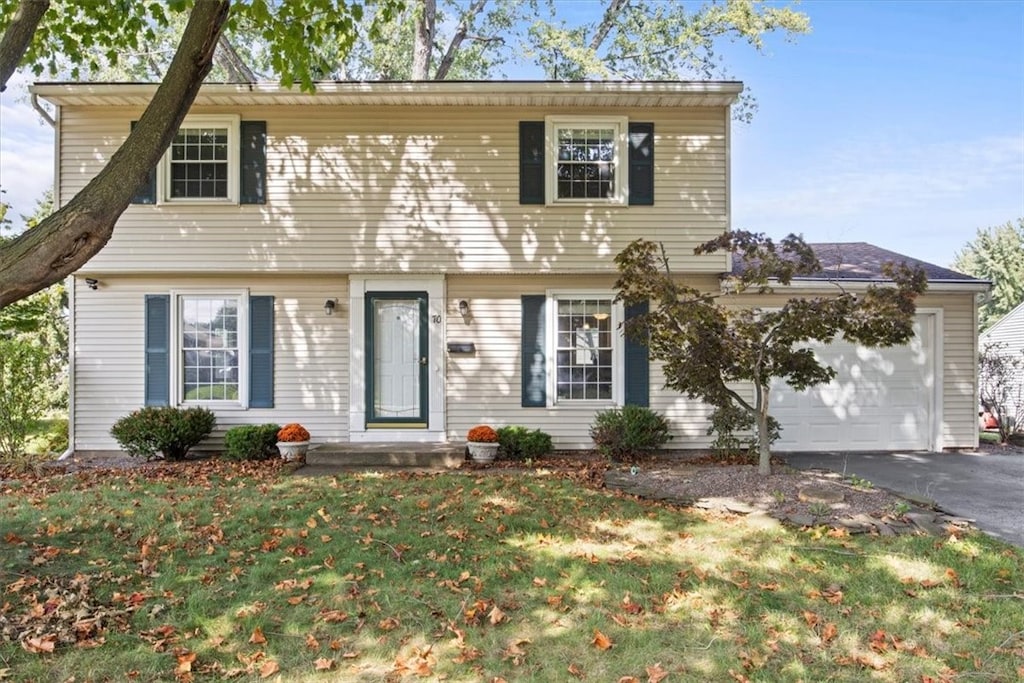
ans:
(202, 162)
(588, 159)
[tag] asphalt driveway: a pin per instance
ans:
(987, 488)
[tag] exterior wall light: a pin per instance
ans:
(463, 307)
(92, 283)
(330, 305)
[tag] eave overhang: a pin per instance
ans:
(414, 93)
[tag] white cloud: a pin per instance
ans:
(26, 151)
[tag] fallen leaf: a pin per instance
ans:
(185, 660)
(601, 641)
(576, 671)
(829, 632)
(269, 668)
(323, 664)
(257, 636)
(496, 616)
(40, 644)
(655, 673)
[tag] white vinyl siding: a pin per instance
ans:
(485, 386)
(310, 355)
(377, 190)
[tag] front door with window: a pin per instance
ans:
(397, 360)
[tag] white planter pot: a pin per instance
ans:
(482, 452)
(292, 450)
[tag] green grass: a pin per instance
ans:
(208, 570)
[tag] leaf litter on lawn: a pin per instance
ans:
(482, 575)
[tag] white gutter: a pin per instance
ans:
(42, 112)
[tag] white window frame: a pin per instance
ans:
(552, 124)
(618, 348)
(233, 124)
(176, 365)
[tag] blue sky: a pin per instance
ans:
(895, 123)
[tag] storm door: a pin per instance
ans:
(396, 359)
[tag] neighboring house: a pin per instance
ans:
(1007, 335)
(401, 261)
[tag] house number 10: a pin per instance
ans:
(436, 319)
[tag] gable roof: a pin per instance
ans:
(860, 261)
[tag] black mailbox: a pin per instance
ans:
(461, 347)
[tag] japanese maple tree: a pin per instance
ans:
(709, 342)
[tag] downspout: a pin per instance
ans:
(42, 112)
(69, 283)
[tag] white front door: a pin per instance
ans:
(397, 359)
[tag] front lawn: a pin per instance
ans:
(205, 571)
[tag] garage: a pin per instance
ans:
(880, 399)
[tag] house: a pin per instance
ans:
(397, 262)
(1007, 336)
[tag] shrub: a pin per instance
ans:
(630, 430)
(168, 431)
(726, 421)
(251, 442)
(522, 443)
(23, 397)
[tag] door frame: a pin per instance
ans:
(423, 351)
(359, 287)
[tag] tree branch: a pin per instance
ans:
(18, 36)
(227, 56)
(423, 43)
(66, 240)
(607, 22)
(446, 62)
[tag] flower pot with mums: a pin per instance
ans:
(482, 442)
(293, 441)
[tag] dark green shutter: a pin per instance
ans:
(534, 345)
(261, 352)
(641, 164)
(147, 193)
(253, 138)
(637, 368)
(531, 162)
(158, 342)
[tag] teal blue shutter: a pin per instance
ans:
(147, 193)
(261, 352)
(253, 139)
(531, 162)
(641, 164)
(534, 345)
(158, 343)
(637, 367)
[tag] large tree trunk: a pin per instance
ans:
(64, 242)
(18, 36)
(424, 44)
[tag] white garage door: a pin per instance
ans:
(880, 399)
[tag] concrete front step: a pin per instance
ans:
(413, 455)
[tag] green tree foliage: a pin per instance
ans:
(996, 254)
(22, 373)
(41, 319)
(707, 342)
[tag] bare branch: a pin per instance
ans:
(18, 36)
(607, 22)
(446, 62)
(228, 58)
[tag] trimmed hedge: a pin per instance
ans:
(251, 442)
(522, 443)
(629, 430)
(167, 431)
